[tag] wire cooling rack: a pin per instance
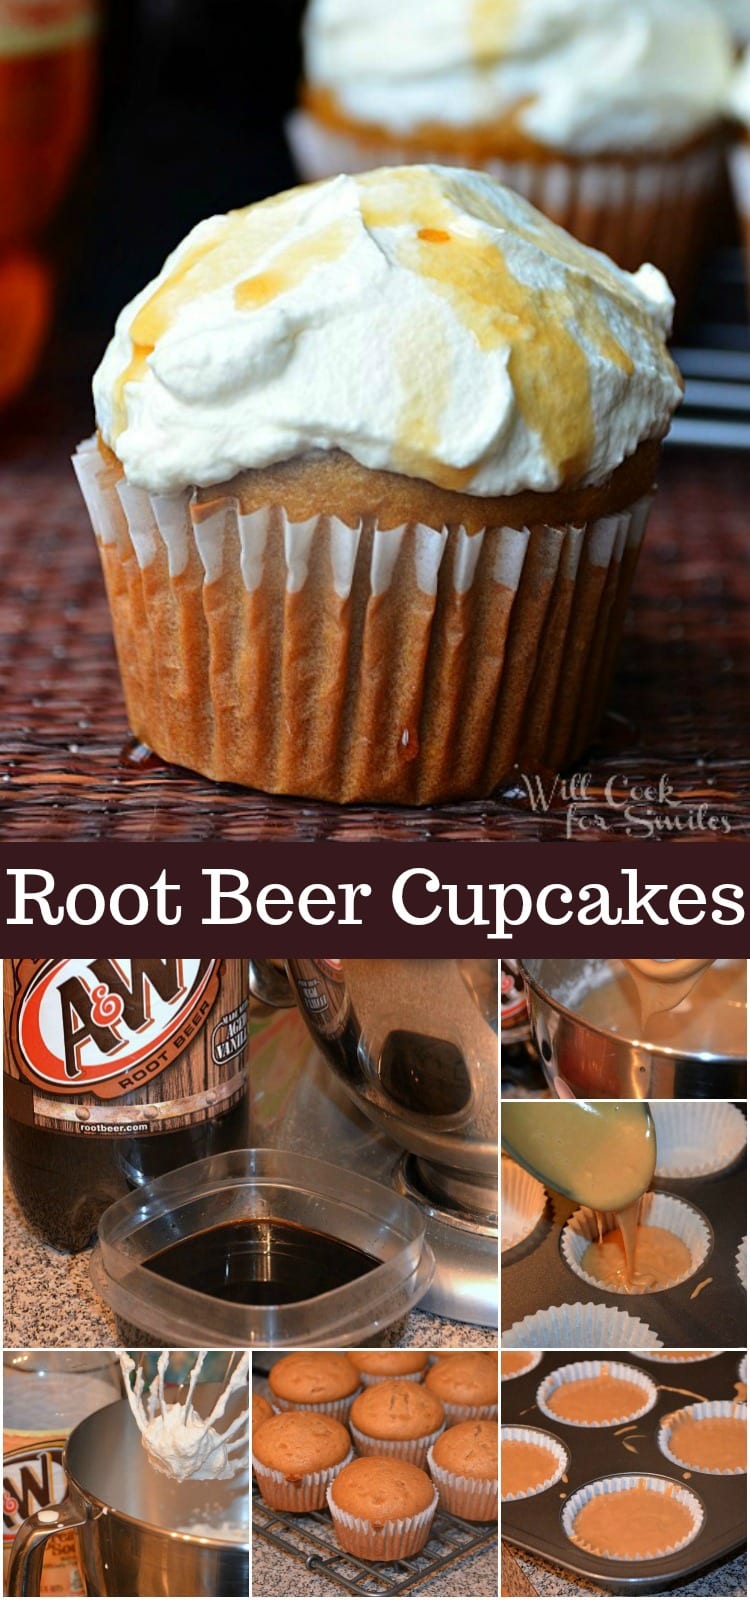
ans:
(714, 358)
(311, 1539)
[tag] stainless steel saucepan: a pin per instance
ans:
(129, 1521)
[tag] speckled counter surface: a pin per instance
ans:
(49, 1300)
(730, 1579)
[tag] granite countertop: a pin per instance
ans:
(274, 1573)
(49, 1299)
(729, 1579)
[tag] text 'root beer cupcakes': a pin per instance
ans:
(374, 462)
(606, 115)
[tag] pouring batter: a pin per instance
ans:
(698, 1010)
(177, 1439)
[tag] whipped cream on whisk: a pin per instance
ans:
(179, 1441)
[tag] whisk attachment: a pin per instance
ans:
(178, 1440)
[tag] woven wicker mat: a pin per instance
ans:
(681, 703)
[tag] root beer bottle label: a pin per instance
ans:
(142, 1062)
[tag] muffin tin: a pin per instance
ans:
(536, 1523)
(535, 1275)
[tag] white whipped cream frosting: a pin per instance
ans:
(424, 320)
(588, 76)
(740, 96)
(179, 1441)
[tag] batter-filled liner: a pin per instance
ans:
(544, 1441)
(598, 1376)
(516, 1364)
(688, 1455)
(665, 1211)
(661, 1541)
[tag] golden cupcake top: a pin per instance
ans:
(394, 1410)
(423, 320)
(469, 1449)
(298, 1442)
(469, 1379)
(313, 1377)
(381, 1489)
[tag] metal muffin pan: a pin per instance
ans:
(535, 1524)
(535, 1275)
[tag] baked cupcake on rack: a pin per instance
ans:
(373, 464)
(605, 115)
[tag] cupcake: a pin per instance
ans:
(466, 1386)
(740, 152)
(382, 1509)
(315, 1380)
(373, 466)
(396, 1419)
(295, 1456)
(375, 1365)
(606, 116)
(261, 1411)
(463, 1464)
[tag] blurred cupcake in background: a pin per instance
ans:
(607, 116)
(373, 465)
(740, 152)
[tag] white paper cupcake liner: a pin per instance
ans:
(583, 1324)
(742, 1370)
(549, 1442)
(706, 1408)
(534, 1358)
(523, 1199)
(475, 1499)
(307, 1493)
(633, 1481)
(390, 1541)
(330, 1408)
(629, 209)
(741, 1262)
(679, 1357)
(400, 1449)
(594, 1369)
(368, 1379)
(694, 1137)
(657, 1211)
(438, 659)
(456, 1413)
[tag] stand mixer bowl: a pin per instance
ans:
(585, 1059)
(127, 1520)
(415, 1044)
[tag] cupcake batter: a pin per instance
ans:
(711, 1444)
(600, 1399)
(712, 1016)
(632, 1524)
(658, 1260)
(525, 1467)
(513, 1362)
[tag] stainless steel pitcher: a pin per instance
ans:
(415, 1044)
(127, 1520)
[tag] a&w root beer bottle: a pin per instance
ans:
(117, 1071)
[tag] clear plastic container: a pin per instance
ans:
(265, 1184)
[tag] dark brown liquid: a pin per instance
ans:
(261, 1261)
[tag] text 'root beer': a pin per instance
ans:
(141, 1062)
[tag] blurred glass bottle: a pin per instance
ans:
(45, 1393)
(47, 75)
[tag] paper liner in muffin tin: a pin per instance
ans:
(649, 209)
(368, 1379)
(657, 1211)
(681, 1357)
(330, 1408)
(523, 1199)
(305, 1493)
(401, 1449)
(534, 1358)
(695, 1137)
(633, 1480)
(582, 1324)
(548, 1442)
(706, 1408)
(741, 1262)
(354, 662)
(388, 1541)
(577, 1370)
(472, 1498)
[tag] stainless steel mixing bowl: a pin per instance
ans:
(126, 1519)
(415, 1043)
(583, 1059)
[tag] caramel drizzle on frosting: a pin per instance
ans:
(491, 24)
